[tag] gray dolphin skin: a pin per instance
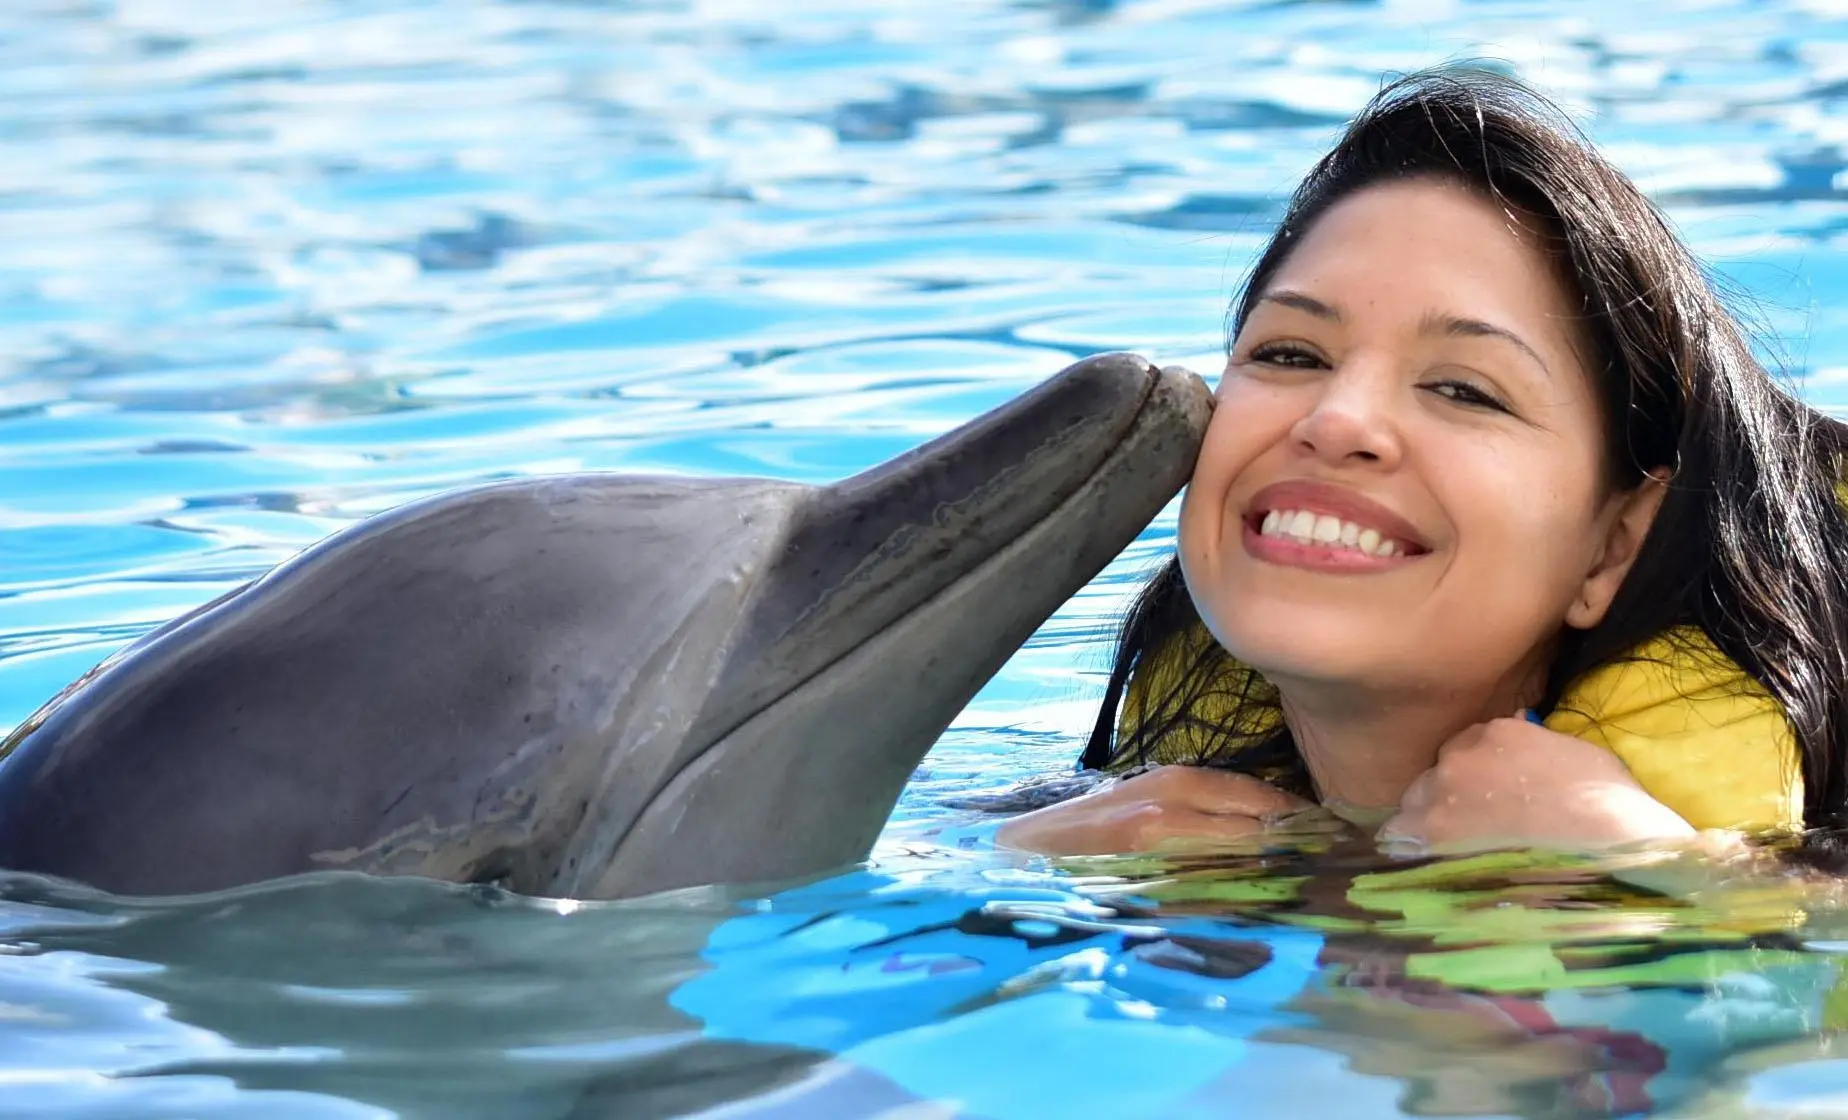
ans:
(597, 686)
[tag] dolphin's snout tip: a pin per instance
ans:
(1129, 402)
(1189, 385)
(1192, 380)
(1133, 381)
(1182, 396)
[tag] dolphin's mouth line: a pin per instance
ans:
(1139, 420)
(1110, 458)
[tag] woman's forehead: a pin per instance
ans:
(1430, 251)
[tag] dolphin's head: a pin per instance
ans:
(596, 685)
(893, 597)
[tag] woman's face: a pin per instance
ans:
(1401, 486)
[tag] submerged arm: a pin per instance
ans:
(1166, 804)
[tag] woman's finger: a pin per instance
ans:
(1421, 793)
(1402, 828)
(1220, 793)
(1195, 827)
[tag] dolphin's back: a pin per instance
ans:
(510, 621)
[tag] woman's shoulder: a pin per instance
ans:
(1698, 732)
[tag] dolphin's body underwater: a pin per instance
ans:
(597, 685)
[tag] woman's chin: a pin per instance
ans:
(1300, 654)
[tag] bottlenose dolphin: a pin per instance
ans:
(597, 685)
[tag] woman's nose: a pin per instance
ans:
(1351, 422)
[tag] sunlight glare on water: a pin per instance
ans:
(271, 268)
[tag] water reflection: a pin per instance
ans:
(1513, 983)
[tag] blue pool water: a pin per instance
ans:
(270, 268)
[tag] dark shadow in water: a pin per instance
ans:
(433, 1000)
(477, 247)
(763, 1082)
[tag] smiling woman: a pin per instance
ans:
(1487, 445)
(1412, 411)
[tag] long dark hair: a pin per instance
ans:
(1750, 544)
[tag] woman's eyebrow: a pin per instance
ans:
(1301, 302)
(1435, 323)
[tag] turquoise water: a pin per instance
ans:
(271, 268)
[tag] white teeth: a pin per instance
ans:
(1305, 527)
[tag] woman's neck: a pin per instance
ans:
(1363, 749)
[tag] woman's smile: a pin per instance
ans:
(1323, 527)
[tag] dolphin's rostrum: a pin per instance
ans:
(597, 685)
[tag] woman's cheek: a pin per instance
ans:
(1199, 549)
(1525, 538)
(1206, 507)
(1250, 420)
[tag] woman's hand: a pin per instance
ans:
(1136, 814)
(1508, 781)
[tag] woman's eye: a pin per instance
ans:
(1287, 356)
(1462, 392)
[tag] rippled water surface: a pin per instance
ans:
(269, 268)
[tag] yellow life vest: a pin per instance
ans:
(1698, 733)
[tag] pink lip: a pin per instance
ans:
(1336, 501)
